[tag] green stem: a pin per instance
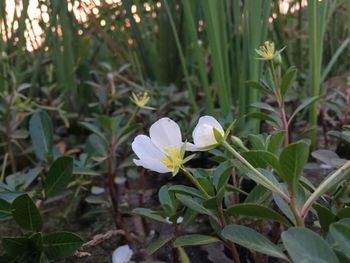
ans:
(322, 188)
(293, 207)
(280, 101)
(195, 182)
(132, 117)
(256, 172)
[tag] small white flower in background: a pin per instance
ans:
(96, 190)
(119, 180)
(122, 254)
(179, 220)
(203, 133)
(161, 151)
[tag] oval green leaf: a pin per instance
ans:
(303, 245)
(258, 212)
(253, 240)
(195, 240)
(26, 213)
(60, 174)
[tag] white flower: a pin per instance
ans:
(203, 133)
(122, 254)
(161, 152)
(96, 190)
(179, 220)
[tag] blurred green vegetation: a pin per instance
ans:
(206, 48)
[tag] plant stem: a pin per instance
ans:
(322, 188)
(280, 102)
(231, 245)
(111, 187)
(132, 117)
(8, 130)
(299, 220)
(256, 172)
(195, 182)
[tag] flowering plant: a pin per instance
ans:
(234, 214)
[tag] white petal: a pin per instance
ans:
(203, 135)
(152, 164)
(179, 220)
(166, 133)
(167, 219)
(96, 190)
(191, 147)
(122, 254)
(143, 147)
(211, 121)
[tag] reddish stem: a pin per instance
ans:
(113, 190)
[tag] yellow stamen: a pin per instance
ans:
(140, 99)
(268, 51)
(173, 159)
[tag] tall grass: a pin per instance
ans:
(167, 47)
(197, 50)
(233, 30)
(317, 14)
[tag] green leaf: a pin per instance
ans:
(344, 213)
(257, 141)
(303, 245)
(41, 133)
(259, 86)
(15, 245)
(183, 256)
(264, 117)
(306, 103)
(300, 201)
(341, 235)
(21, 180)
(263, 106)
(258, 195)
(186, 190)
(275, 142)
(166, 200)
(253, 240)
(36, 242)
(26, 213)
(43, 258)
(95, 129)
(61, 244)
(325, 216)
(194, 205)
(246, 171)
(60, 174)
(195, 240)
(326, 156)
(257, 211)
(156, 245)
(261, 159)
(5, 208)
(288, 80)
(149, 214)
(292, 161)
(96, 147)
(221, 175)
(7, 193)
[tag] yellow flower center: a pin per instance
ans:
(140, 99)
(267, 51)
(173, 159)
